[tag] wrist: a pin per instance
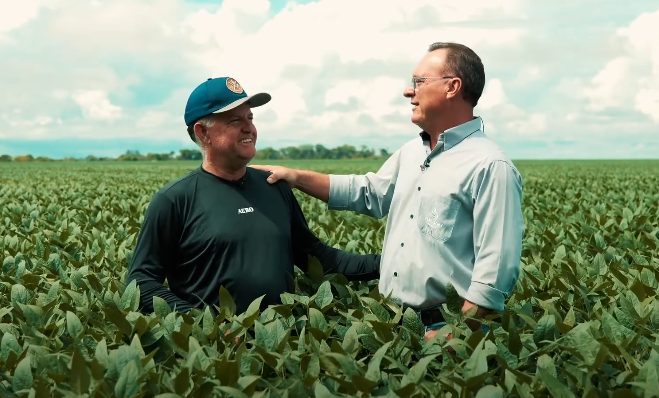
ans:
(295, 179)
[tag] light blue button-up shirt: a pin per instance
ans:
(455, 216)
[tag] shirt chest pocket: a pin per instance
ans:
(437, 215)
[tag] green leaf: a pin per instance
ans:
(374, 372)
(127, 386)
(19, 294)
(350, 342)
(227, 305)
(490, 392)
(555, 387)
(131, 297)
(412, 322)
(613, 330)
(320, 391)
(324, 295)
(453, 299)
(9, 344)
(22, 375)
(160, 307)
(269, 336)
(545, 330)
(252, 312)
(79, 376)
(476, 365)
(315, 270)
(233, 392)
(73, 325)
(317, 319)
(418, 371)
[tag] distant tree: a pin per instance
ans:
(24, 158)
(190, 154)
(159, 156)
(268, 153)
(5, 158)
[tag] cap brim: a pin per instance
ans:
(254, 101)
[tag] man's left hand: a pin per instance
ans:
(474, 312)
(432, 333)
(470, 310)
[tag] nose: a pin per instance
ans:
(408, 92)
(249, 128)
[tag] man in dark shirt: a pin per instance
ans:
(223, 224)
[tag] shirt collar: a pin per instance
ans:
(455, 135)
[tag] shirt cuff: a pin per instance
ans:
(486, 296)
(339, 192)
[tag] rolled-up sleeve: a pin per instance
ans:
(369, 194)
(498, 232)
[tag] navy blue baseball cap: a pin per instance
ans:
(217, 95)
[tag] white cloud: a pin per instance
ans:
(373, 30)
(608, 88)
(96, 105)
(642, 35)
(336, 68)
(376, 97)
(21, 12)
(647, 102)
(493, 95)
(503, 118)
(631, 80)
(288, 102)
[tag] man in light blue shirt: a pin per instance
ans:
(452, 196)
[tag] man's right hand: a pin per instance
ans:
(279, 173)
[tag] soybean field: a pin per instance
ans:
(583, 321)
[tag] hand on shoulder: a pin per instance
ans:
(278, 173)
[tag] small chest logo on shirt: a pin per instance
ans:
(432, 222)
(246, 210)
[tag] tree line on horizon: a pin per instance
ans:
(303, 152)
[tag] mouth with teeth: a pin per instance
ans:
(246, 141)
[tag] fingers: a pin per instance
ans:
(264, 167)
(430, 334)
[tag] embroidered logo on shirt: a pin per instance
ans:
(432, 222)
(246, 210)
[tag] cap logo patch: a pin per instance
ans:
(234, 86)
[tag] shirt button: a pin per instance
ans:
(395, 273)
(411, 215)
(402, 244)
(419, 188)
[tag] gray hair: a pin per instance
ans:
(207, 121)
(464, 63)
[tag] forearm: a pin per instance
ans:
(355, 267)
(150, 288)
(313, 184)
(475, 313)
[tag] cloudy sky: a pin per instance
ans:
(565, 79)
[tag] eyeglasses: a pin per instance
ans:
(417, 80)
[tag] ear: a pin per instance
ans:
(453, 87)
(202, 133)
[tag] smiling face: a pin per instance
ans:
(436, 86)
(232, 138)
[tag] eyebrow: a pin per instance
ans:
(233, 117)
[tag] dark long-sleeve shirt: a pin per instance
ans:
(202, 232)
